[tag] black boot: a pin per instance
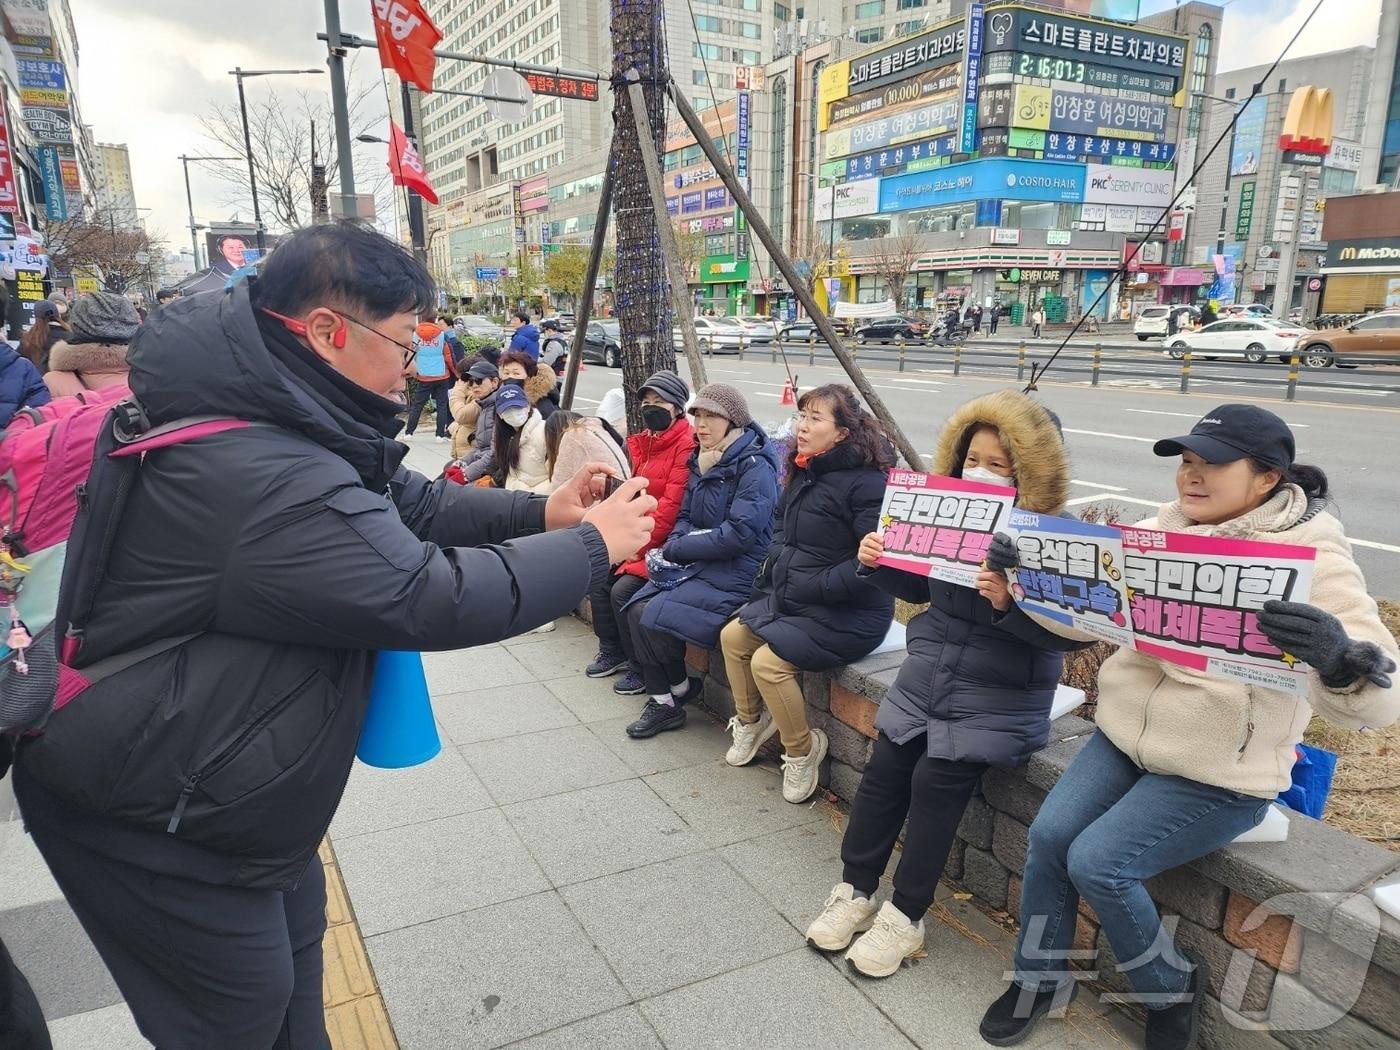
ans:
(1013, 1017)
(1176, 1027)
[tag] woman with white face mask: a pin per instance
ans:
(522, 461)
(975, 691)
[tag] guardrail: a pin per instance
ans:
(1091, 360)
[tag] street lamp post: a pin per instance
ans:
(240, 74)
(189, 200)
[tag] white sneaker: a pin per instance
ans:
(800, 772)
(890, 941)
(844, 916)
(748, 738)
(543, 628)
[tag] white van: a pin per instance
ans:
(1153, 321)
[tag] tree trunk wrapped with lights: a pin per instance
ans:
(641, 286)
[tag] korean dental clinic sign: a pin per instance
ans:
(1003, 179)
(1144, 187)
(1037, 32)
(861, 197)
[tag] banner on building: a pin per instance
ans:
(741, 152)
(28, 17)
(49, 125)
(1143, 187)
(1244, 216)
(42, 73)
(941, 527)
(9, 196)
(911, 55)
(972, 76)
(1126, 47)
(933, 82)
(1247, 145)
(55, 199)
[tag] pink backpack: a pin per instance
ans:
(47, 460)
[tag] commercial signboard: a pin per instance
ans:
(691, 202)
(30, 17)
(1244, 217)
(55, 199)
(852, 198)
(1142, 187)
(534, 194)
(1077, 71)
(933, 82)
(972, 75)
(1247, 146)
(68, 165)
(1125, 47)
(1371, 253)
(741, 152)
(42, 73)
(49, 125)
(913, 54)
(1126, 118)
(895, 160)
(716, 197)
(1346, 156)
(1056, 145)
(923, 121)
(48, 97)
(981, 179)
(724, 269)
(9, 197)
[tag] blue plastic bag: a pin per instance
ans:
(1312, 781)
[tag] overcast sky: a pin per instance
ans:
(149, 68)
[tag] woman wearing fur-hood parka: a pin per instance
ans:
(974, 691)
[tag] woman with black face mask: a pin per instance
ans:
(661, 454)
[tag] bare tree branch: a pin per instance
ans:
(97, 240)
(894, 261)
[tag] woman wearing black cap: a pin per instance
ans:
(1183, 762)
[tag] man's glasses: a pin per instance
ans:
(299, 328)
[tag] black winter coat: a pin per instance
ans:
(809, 604)
(298, 550)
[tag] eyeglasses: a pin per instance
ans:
(299, 328)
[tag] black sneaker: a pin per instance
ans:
(630, 684)
(1013, 1017)
(605, 664)
(656, 718)
(1176, 1027)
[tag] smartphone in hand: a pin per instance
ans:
(610, 485)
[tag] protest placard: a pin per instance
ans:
(1195, 602)
(941, 527)
(1072, 572)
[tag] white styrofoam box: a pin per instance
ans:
(1273, 828)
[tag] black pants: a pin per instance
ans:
(22, 1024)
(901, 780)
(218, 967)
(606, 603)
(437, 390)
(992, 326)
(657, 656)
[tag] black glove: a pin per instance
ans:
(1318, 638)
(1002, 554)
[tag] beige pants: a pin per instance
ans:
(757, 672)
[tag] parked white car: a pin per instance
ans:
(722, 335)
(1154, 320)
(1253, 339)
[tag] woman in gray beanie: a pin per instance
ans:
(93, 356)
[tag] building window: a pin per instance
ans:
(908, 28)
(781, 13)
(909, 5)
(710, 51)
(1200, 69)
(752, 30)
(708, 23)
(698, 78)
(870, 9)
(779, 140)
(870, 36)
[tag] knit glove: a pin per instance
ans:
(1002, 554)
(1319, 639)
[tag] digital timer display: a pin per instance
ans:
(1047, 68)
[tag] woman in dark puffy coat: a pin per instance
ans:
(811, 610)
(975, 691)
(706, 569)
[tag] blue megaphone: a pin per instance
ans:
(399, 730)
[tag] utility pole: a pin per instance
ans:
(248, 152)
(189, 200)
(415, 202)
(345, 158)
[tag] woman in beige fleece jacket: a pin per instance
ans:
(1184, 762)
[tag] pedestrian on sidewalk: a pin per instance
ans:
(1037, 320)
(811, 610)
(1149, 794)
(252, 578)
(993, 316)
(977, 319)
(706, 569)
(974, 692)
(660, 453)
(433, 372)
(92, 356)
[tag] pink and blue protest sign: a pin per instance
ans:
(941, 527)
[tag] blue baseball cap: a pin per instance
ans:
(511, 396)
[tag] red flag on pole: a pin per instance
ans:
(406, 167)
(406, 38)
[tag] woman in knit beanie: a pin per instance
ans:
(93, 355)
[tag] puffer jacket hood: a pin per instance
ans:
(540, 386)
(205, 355)
(1180, 722)
(1030, 434)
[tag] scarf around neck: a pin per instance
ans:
(706, 459)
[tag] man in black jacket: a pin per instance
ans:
(179, 802)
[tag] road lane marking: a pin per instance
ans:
(1390, 547)
(1116, 437)
(1192, 415)
(1096, 485)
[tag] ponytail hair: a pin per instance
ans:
(1310, 479)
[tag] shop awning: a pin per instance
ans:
(1183, 276)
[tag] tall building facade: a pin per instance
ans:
(1382, 141)
(113, 191)
(1248, 201)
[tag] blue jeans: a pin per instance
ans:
(1105, 828)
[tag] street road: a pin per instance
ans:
(1110, 429)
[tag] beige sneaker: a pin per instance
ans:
(748, 738)
(800, 772)
(890, 941)
(844, 916)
